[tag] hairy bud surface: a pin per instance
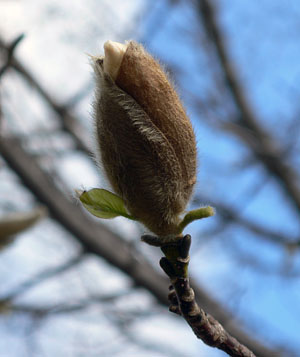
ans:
(146, 141)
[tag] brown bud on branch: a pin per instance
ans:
(146, 140)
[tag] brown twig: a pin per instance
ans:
(182, 299)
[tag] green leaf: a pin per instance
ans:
(196, 214)
(104, 204)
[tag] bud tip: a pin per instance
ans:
(114, 52)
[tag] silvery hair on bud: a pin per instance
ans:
(139, 161)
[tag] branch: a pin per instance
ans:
(41, 277)
(182, 298)
(61, 308)
(69, 123)
(231, 215)
(10, 53)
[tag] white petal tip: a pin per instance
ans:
(114, 52)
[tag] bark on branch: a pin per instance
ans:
(183, 302)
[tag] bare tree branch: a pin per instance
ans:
(41, 277)
(62, 308)
(182, 298)
(68, 121)
(10, 49)
(231, 216)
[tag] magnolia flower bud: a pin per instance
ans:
(146, 141)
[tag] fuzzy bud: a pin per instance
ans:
(146, 141)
